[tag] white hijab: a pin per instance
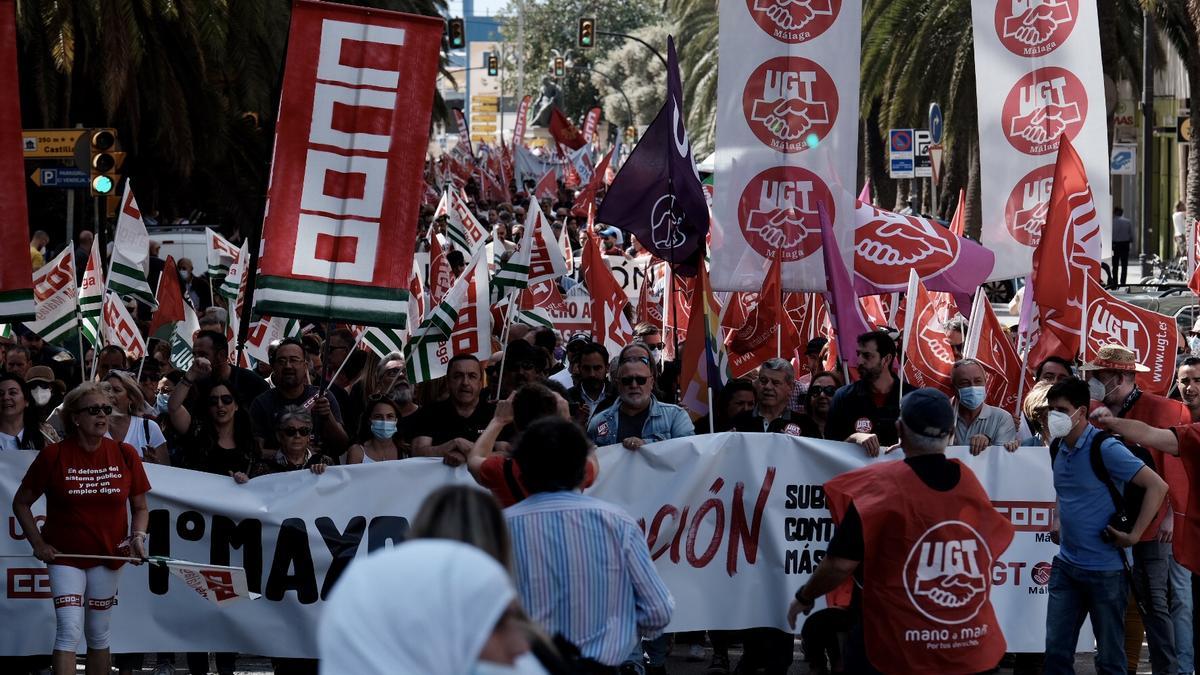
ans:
(424, 607)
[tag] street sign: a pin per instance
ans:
(60, 177)
(922, 165)
(901, 153)
(936, 122)
(50, 143)
(1123, 160)
(935, 159)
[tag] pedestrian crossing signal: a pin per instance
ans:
(587, 32)
(457, 34)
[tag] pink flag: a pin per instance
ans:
(847, 314)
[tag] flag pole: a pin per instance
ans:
(712, 411)
(1083, 314)
(1023, 350)
(357, 343)
(508, 319)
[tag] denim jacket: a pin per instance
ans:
(664, 422)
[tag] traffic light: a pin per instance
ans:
(458, 34)
(559, 67)
(587, 32)
(493, 65)
(105, 162)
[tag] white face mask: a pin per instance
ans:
(1194, 345)
(1096, 389)
(1058, 424)
(41, 395)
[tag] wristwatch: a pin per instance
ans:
(800, 595)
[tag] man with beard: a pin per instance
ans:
(865, 412)
(214, 347)
(592, 366)
(638, 417)
(773, 391)
(448, 429)
(291, 388)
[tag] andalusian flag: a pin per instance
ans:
(55, 293)
(514, 272)
(439, 322)
(131, 247)
(91, 296)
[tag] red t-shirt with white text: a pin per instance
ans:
(87, 497)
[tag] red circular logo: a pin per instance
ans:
(889, 245)
(1041, 573)
(787, 101)
(1025, 210)
(778, 212)
(794, 21)
(1043, 106)
(1112, 323)
(1034, 27)
(948, 574)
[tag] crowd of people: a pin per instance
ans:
(558, 581)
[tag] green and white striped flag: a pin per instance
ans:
(91, 296)
(131, 247)
(220, 255)
(232, 283)
(462, 228)
(55, 292)
(181, 338)
(6, 331)
(439, 322)
(514, 272)
(384, 341)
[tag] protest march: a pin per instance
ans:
(352, 340)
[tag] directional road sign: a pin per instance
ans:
(60, 177)
(936, 122)
(50, 143)
(901, 153)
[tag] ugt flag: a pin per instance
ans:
(349, 153)
(657, 195)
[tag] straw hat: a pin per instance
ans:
(1115, 357)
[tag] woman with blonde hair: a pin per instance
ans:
(1035, 408)
(92, 484)
(465, 514)
(130, 421)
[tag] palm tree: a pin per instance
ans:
(697, 20)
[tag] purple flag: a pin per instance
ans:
(848, 321)
(657, 195)
(887, 245)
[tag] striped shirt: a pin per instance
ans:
(583, 570)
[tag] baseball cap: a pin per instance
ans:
(39, 374)
(927, 412)
(579, 338)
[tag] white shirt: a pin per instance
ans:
(1179, 221)
(8, 442)
(136, 435)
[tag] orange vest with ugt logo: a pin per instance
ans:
(927, 569)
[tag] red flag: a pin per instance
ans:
(699, 375)
(440, 275)
(170, 299)
(991, 346)
(609, 324)
(1194, 258)
(928, 358)
(768, 331)
(587, 196)
(1069, 250)
(589, 124)
(1153, 337)
(564, 132)
(873, 310)
(958, 223)
(547, 187)
(571, 177)
(738, 309)
(654, 288)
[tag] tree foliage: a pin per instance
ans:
(631, 70)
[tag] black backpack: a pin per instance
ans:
(1128, 505)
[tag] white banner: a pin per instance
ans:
(735, 523)
(1041, 82)
(787, 139)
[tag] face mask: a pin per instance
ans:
(656, 355)
(1058, 424)
(1096, 389)
(1194, 345)
(41, 395)
(160, 403)
(184, 275)
(383, 428)
(559, 353)
(971, 397)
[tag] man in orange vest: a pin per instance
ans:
(920, 538)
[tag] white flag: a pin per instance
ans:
(131, 247)
(181, 338)
(221, 255)
(55, 294)
(216, 583)
(120, 329)
(91, 296)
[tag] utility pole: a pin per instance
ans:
(1148, 122)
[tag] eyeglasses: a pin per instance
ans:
(291, 432)
(827, 390)
(97, 410)
(634, 379)
(223, 399)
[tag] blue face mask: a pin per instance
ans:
(971, 397)
(160, 403)
(383, 428)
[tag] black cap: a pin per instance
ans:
(927, 412)
(815, 345)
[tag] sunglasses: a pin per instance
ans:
(97, 410)
(827, 390)
(636, 359)
(223, 399)
(291, 432)
(634, 379)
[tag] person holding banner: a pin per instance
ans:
(92, 486)
(294, 432)
(891, 516)
(865, 412)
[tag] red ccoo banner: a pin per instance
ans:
(346, 178)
